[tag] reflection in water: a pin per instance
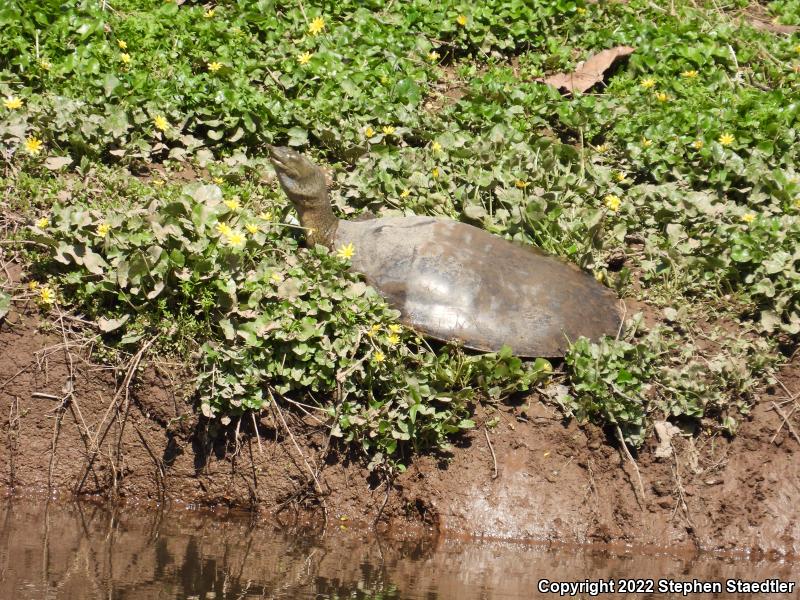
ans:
(81, 551)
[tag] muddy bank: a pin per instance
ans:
(541, 479)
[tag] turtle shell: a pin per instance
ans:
(455, 282)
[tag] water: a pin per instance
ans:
(82, 551)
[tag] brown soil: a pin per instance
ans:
(548, 480)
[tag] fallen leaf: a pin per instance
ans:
(54, 163)
(589, 72)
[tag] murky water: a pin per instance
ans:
(80, 551)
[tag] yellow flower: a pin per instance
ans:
(690, 74)
(232, 204)
(433, 56)
(620, 177)
(12, 103)
(125, 58)
(209, 13)
(379, 356)
(32, 285)
(160, 123)
(373, 330)
(223, 229)
(646, 143)
(346, 251)
(252, 228)
(521, 184)
(602, 148)
(122, 44)
(613, 202)
(33, 145)
(648, 83)
(395, 328)
(265, 216)
(214, 66)
(748, 218)
(43, 223)
(316, 26)
(45, 64)
(436, 147)
(662, 96)
(235, 239)
(304, 58)
(388, 130)
(276, 277)
(461, 20)
(393, 339)
(698, 144)
(435, 172)
(726, 139)
(405, 193)
(103, 229)
(797, 48)
(581, 10)
(218, 180)
(46, 295)
(797, 202)
(158, 182)
(369, 131)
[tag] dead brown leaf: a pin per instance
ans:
(589, 72)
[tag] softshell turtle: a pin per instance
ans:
(453, 281)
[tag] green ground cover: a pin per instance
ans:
(675, 182)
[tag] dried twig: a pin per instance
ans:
(635, 467)
(777, 409)
(491, 449)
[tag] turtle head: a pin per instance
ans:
(302, 180)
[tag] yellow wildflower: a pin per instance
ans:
(45, 64)
(214, 66)
(646, 143)
(122, 44)
(33, 145)
(388, 130)
(433, 56)
(435, 172)
(373, 330)
(662, 96)
(405, 193)
(232, 204)
(276, 277)
(461, 20)
(32, 285)
(648, 83)
(690, 74)
(698, 144)
(47, 295)
(602, 148)
(748, 218)
(209, 13)
(369, 131)
(613, 202)
(160, 123)
(393, 339)
(620, 177)
(797, 48)
(265, 216)
(223, 229)
(125, 58)
(436, 147)
(379, 356)
(43, 223)
(103, 229)
(346, 251)
(158, 182)
(252, 228)
(521, 184)
(580, 10)
(316, 26)
(218, 180)
(235, 239)
(304, 58)
(395, 328)
(12, 103)
(726, 139)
